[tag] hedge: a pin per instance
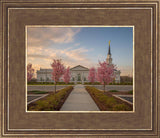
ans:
(49, 83)
(52, 102)
(105, 102)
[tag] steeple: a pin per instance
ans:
(109, 59)
(109, 51)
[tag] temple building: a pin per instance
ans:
(79, 73)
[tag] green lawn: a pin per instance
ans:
(37, 92)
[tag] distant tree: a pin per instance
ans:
(67, 75)
(105, 73)
(58, 71)
(127, 79)
(30, 72)
(33, 80)
(92, 75)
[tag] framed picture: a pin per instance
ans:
(80, 68)
(67, 62)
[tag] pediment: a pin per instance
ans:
(79, 67)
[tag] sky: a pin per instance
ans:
(84, 46)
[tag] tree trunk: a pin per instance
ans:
(54, 87)
(104, 87)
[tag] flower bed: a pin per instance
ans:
(52, 102)
(107, 103)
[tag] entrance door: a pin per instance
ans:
(79, 77)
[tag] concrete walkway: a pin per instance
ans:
(79, 100)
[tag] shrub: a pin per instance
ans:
(51, 102)
(43, 105)
(121, 83)
(49, 83)
(110, 103)
(113, 91)
(89, 83)
(120, 107)
(102, 98)
(130, 92)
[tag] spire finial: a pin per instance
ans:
(109, 42)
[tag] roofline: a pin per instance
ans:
(77, 66)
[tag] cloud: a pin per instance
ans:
(47, 43)
(37, 56)
(77, 44)
(43, 36)
(71, 56)
(76, 54)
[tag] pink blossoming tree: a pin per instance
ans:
(67, 75)
(58, 71)
(30, 72)
(92, 75)
(105, 73)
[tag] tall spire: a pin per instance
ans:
(109, 59)
(109, 51)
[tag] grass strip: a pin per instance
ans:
(49, 83)
(37, 92)
(113, 91)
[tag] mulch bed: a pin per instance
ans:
(98, 103)
(63, 100)
(60, 103)
(109, 94)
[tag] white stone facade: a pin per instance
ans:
(79, 74)
(117, 76)
(44, 75)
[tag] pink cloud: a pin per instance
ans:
(41, 36)
(39, 51)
